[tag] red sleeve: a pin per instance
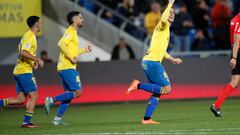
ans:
(237, 28)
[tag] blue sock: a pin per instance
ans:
(3, 102)
(63, 107)
(152, 104)
(64, 97)
(152, 88)
(27, 117)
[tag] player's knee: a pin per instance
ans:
(234, 84)
(78, 93)
(34, 97)
(21, 100)
(166, 90)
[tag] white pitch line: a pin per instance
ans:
(206, 131)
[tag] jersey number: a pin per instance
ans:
(237, 28)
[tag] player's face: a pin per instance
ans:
(171, 16)
(79, 20)
(39, 25)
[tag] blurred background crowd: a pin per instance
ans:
(199, 24)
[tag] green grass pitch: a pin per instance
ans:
(176, 117)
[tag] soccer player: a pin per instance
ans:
(235, 64)
(158, 79)
(25, 81)
(69, 51)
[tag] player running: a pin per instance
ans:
(69, 46)
(25, 81)
(158, 79)
(235, 64)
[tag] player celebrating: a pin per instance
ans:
(151, 64)
(25, 81)
(235, 64)
(69, 47)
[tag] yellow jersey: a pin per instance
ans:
(160, 39)
(28, 43)
(69, 49)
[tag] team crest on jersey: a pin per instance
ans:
(66, 35)
(28, 45)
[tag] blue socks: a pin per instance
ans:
(152, 88)
(64, 97)
(3, 102)
(63, 107)
(152, 104)
(27, 117)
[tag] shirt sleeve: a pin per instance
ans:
(66, 38)
(165, 16)
(64, 41)
(166, 56)
(82, 51)
(26, 44)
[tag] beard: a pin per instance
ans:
(80, 25)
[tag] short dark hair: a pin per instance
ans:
(70, 16)
(32, 20)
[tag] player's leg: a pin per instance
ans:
(152, 70)
(63, 108)
(13, 101)
(235, 81)
(30, 106)
(20, 95)
(68, 78)
(72, 84)
(153, 102)
(28, 83)
(159, 77)
(215, 108)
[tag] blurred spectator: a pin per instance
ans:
(201, 17)
(126, 9)
(87, 4)
(236, 6)
(201, 42)
(152, 17)
(108, 16)
(45, 58)
(122, 51)
(221, 15)
(181, 28)
(110, 3)
(142, 6)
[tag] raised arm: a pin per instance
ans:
(166, 13)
